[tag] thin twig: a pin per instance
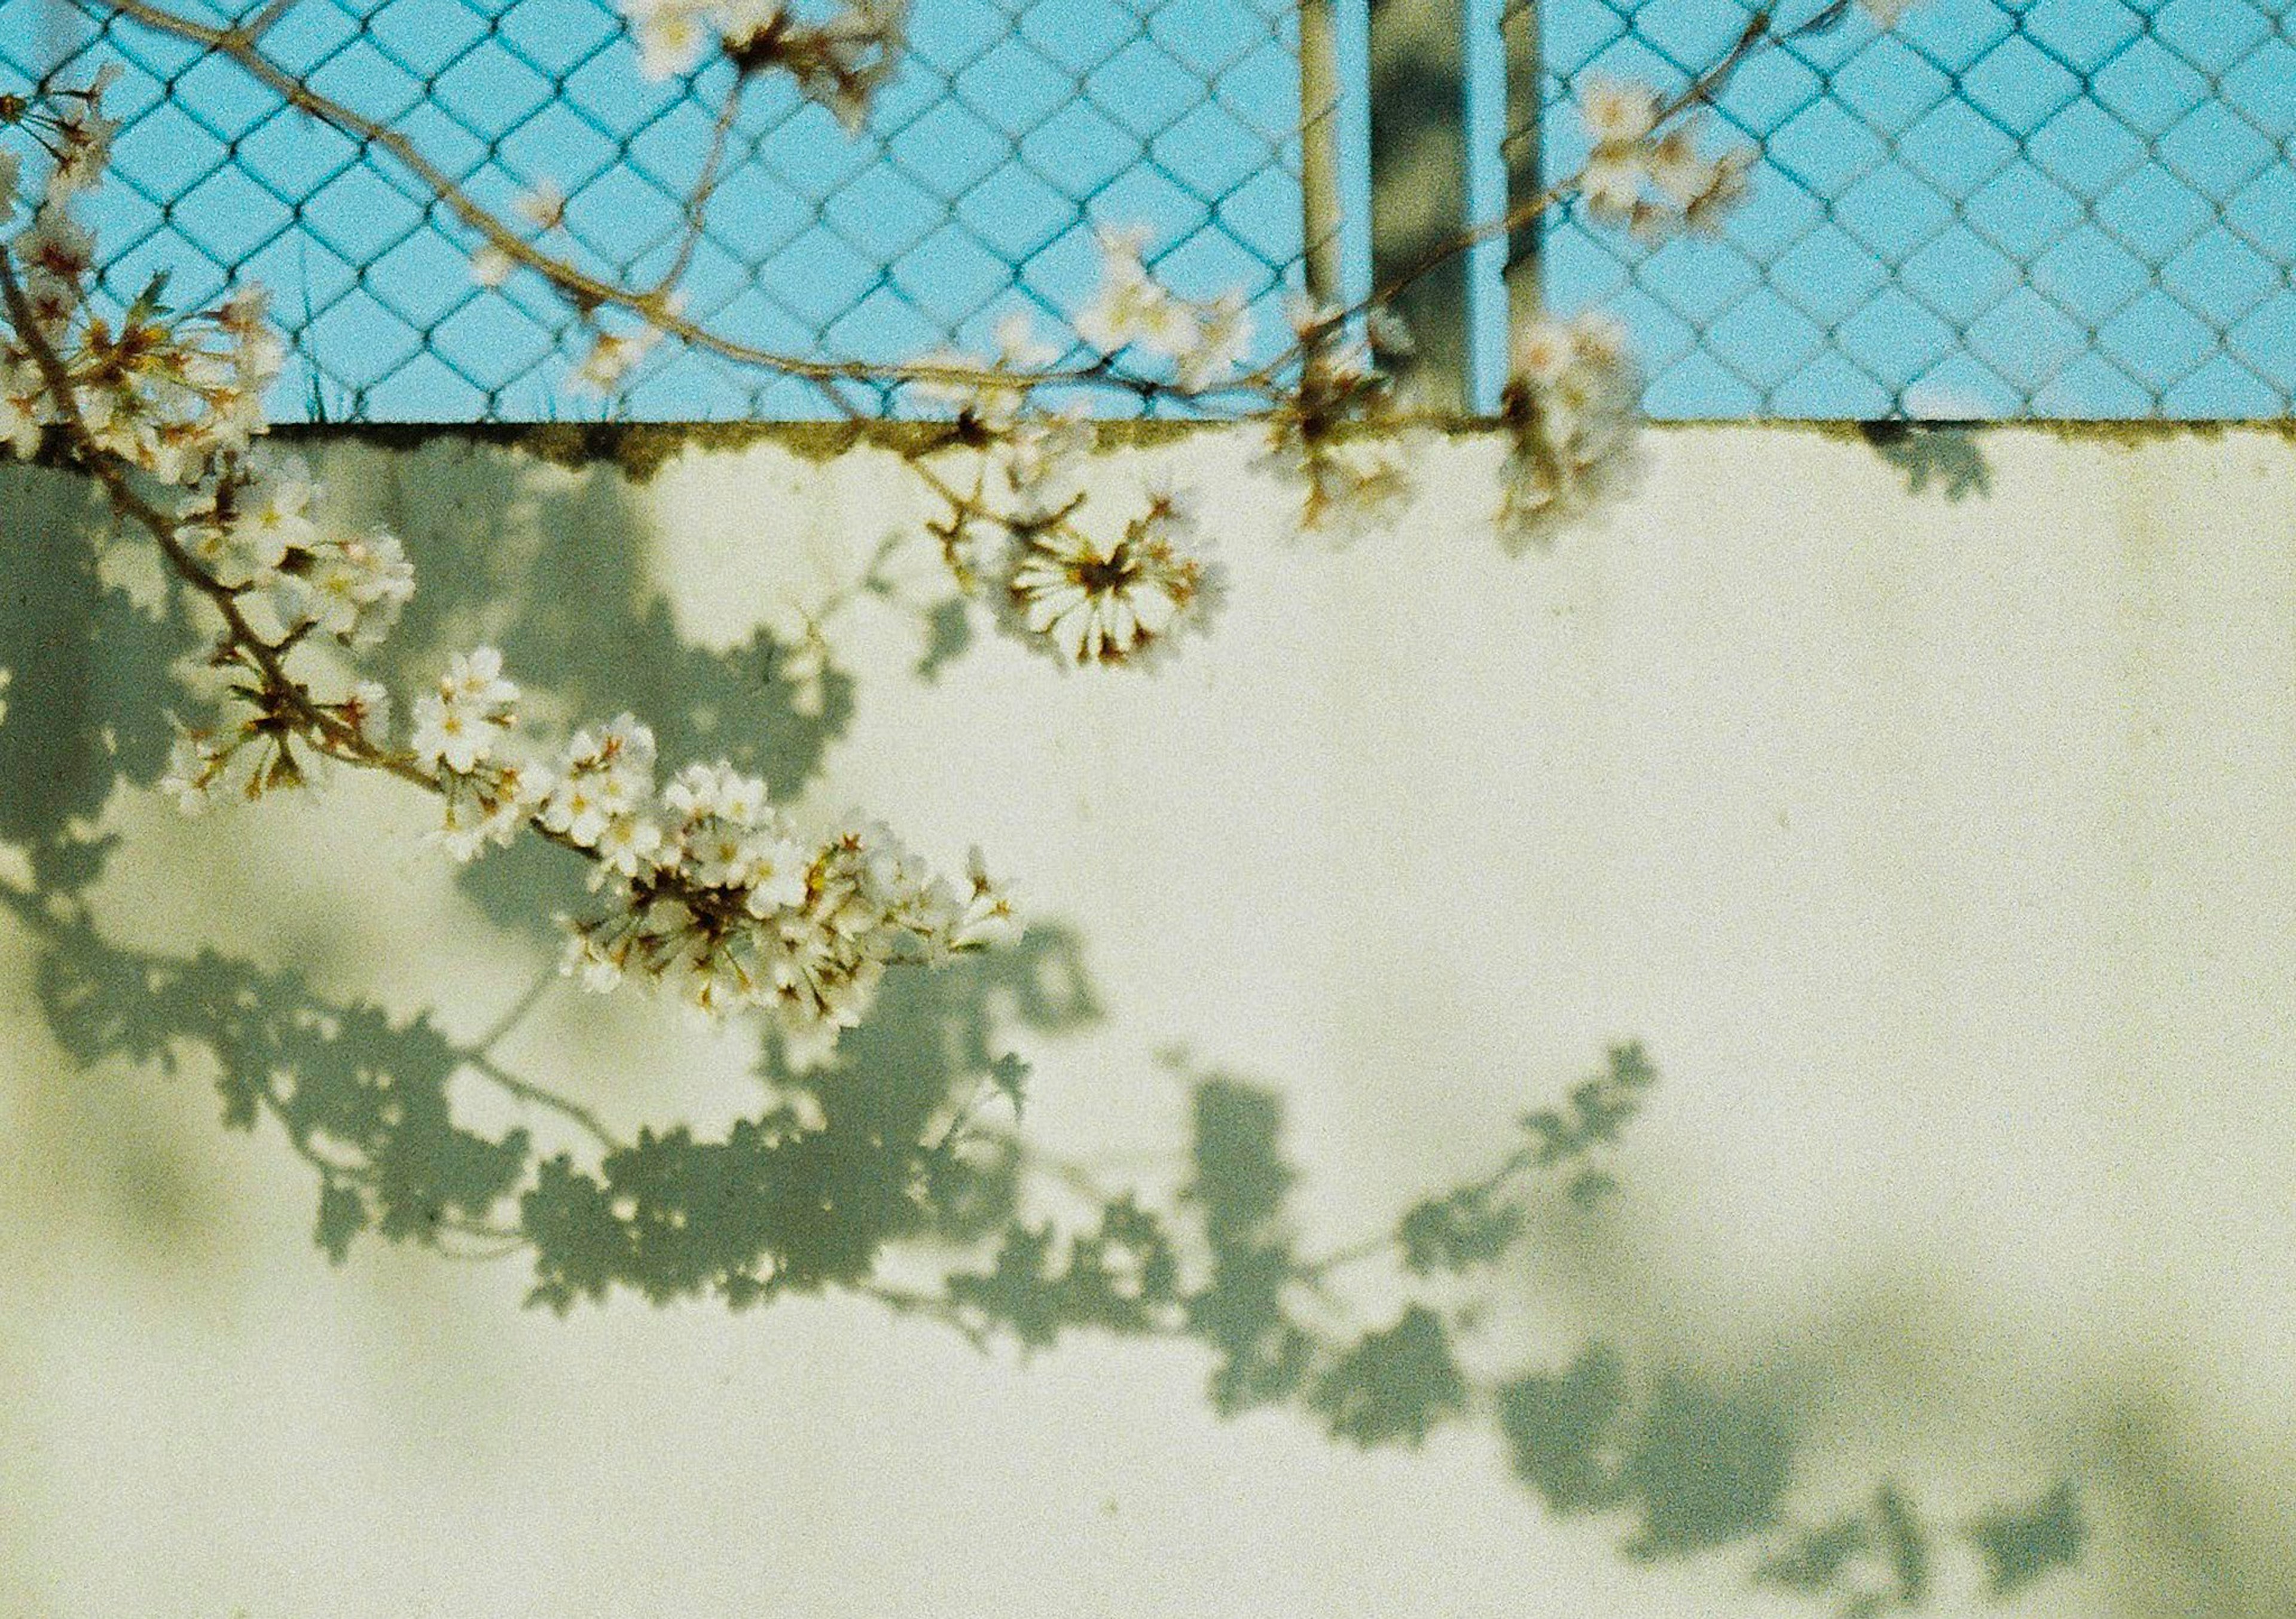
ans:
(525, 1091)
(515, 1014)
(704, 187)
(587, 292)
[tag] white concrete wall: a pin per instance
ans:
(1940, 851)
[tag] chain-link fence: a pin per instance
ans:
(1997, 208)
(1012, 127)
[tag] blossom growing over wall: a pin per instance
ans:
(163, 391)
(1573, 410)
(1087, 600)
(1347, 485)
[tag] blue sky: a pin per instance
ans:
(2010, 207)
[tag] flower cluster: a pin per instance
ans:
(253, 532)
(840, 62)
(714, 898)
(990, 402)
(251, 537)
(163, 392)
(1085, 601)
(1347, 486)
(1572, 407)
(714, 893)
(462, 737)
(1205, 342)
(1652, 184)
(269, 745)
(611, 356)
(718, 901)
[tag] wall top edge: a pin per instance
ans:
(640, 449)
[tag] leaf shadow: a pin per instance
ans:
(550, 564)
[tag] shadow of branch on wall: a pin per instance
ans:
(1689, 1464)
(898, 1142)
(807, 1192)
(550, 565)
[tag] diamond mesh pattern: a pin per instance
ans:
(1012, 127)
(2000, 208)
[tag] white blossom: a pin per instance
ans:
(604, 785)
(627, 841)
(987, 916)
(840, 61)
(1129, 300)
(367, 712)
(488, 804)
(731, 911)
(358, 585)
(671, 34)
(543, 207)
(1087, 601)
(490, 267)
(194, 765)
(244, 760)
(1572, 408)
(1617, 113)
(612, 355)
(460, 728)
(1650, 184)
(22, 403)
(1223, 334)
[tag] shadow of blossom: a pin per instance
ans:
(833, 1171)
(844, 1163)
(1693, 1466)
(1944, 454)
(885, 1146)
(85, 703)
(549, 564)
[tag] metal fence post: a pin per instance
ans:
(1320, 212)
(1419, 185)
(1520, 153)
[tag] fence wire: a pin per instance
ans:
(1998, 207)
(1012, 128)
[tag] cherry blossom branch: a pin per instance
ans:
(705, 186)
(588, 293)
(1081, 596)
(718, 896)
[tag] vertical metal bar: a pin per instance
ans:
(1320, 209)
(1419, 185)
(1520, 153)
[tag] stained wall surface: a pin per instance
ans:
(1927, 811)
